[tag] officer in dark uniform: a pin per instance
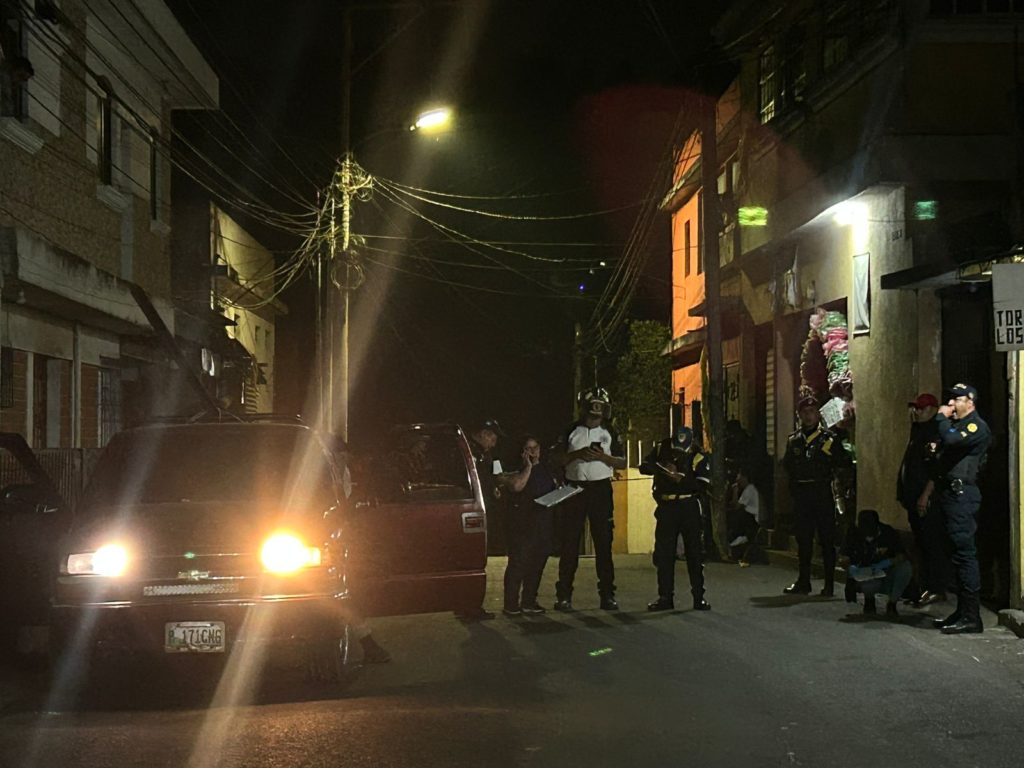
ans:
(813, 455)
(965, 440)
(681, 475)
(481, 442)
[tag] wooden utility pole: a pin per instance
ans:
(335, 360)
(714, 398)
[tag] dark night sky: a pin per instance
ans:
(570, 103)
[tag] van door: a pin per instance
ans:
(33, 515)
(416, 535)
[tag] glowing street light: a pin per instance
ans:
(433, 120)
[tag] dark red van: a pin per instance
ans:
(201, 538)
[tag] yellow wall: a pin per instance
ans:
(255, 328)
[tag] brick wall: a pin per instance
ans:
(13, 419)
(52, 193)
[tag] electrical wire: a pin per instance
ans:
(512, 217)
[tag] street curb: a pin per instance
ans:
(1013, 620)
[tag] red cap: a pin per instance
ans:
(924, 400)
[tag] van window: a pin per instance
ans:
(417, 466)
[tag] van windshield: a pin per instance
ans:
(203, 464)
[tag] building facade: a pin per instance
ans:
(871, 179)
(85, 210)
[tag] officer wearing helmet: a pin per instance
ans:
(682, 473)
(590, 454)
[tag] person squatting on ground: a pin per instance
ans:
(873, 555)
(933, 572)
(813, 456)
(743, 512)
(529, 530)
(591, 456)
(965, 440)
(681, 475)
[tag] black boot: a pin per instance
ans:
(954, 617)
(699, 603)
(661, 604)
(829, 590)
(798, 587)
(970, 622)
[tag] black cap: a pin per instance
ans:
(807, 402)
(964, 390)
(492, 425)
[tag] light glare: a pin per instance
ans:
(109, 560)
(433, 119)
(286, 553)
(849, 213)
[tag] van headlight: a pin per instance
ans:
(287, 553)
(109, 560)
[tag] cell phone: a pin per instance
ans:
(596, 446)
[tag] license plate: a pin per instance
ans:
(194, 637)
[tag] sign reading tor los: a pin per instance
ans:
(1008, 306)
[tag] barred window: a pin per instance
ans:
(767, 91)
(109, 404)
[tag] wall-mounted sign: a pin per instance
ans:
(1008, 306)
(752, 216)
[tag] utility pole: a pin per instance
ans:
(335, 417)
(711, 225)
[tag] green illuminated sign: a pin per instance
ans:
(926, 210)
(752, 216)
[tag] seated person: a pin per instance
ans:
(743, 516)
(873, 554)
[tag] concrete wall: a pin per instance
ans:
(634, 513)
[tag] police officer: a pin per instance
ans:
(681, 475)
(590, 454)
(482, 440)
(813, 455)
(965, 440)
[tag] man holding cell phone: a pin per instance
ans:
(591, 454)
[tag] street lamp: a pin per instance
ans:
(432, 120)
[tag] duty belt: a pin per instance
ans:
(675, 496)
(956, 483)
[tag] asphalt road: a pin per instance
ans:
(762, 680)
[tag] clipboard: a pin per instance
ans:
(558, 495)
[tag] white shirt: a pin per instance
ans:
(749, 500)
(581, 436)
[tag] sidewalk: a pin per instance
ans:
(788, 559)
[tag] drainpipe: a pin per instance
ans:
(76, 388)
(1016, 513)
(1013, 362)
